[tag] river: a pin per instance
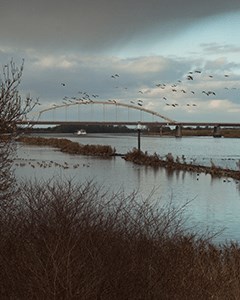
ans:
(215, 201)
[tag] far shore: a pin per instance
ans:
(153, 131)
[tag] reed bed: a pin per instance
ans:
(70, 147)
(141, 158)
(66, 241)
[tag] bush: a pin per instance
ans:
(65, 241)
(70, 147)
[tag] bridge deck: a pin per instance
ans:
(221, 124)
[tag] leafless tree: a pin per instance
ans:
(13, 108)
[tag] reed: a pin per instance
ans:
(70, 147)
(140, 158)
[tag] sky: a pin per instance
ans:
(180, 58)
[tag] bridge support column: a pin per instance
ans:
(178, 132)
(217, 131)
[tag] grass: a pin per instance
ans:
(70, 147)
(66, 241)
(140, 158)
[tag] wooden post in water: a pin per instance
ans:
(178, 131)
(217, 131)
(160, 130)
(139, 136)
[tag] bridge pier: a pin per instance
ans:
(178, 132)
(217, 131)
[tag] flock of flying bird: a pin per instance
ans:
(169, 90)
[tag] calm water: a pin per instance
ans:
(216, 202)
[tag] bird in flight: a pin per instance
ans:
(115, 76)
(211, 92)
(189, 77)
(63, 84)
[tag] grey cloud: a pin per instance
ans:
(92, 74)
(100, 24)
(213, 48)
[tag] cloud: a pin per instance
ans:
(99, 25)
(224, 105)
(219, 104)
(50, 61)
(213, 48)
(44, 73)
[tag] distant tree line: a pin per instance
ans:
(88, 128)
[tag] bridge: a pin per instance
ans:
(80, 116)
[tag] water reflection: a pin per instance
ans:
(215, 201)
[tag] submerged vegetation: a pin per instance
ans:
(140, 158)
(135, 156)
(70, 147)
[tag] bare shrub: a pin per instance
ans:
(66, 241)
(12, 109)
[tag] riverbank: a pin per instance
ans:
(140, 158)
(78, 243)
(70, 147)
(226, 132)
(191, 132)
(65, 241)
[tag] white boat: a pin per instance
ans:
(81, 132)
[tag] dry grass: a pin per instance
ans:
(60, 241)
(140, 158)
(68, 146)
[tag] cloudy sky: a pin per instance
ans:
(180, 58)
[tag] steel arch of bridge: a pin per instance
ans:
(113, 102)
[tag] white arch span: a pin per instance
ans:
(110, 102)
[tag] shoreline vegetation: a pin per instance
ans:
(134, 156)
(229, 132)
(140, 158)
(61, 240)
(198, 131)
(70, 147)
